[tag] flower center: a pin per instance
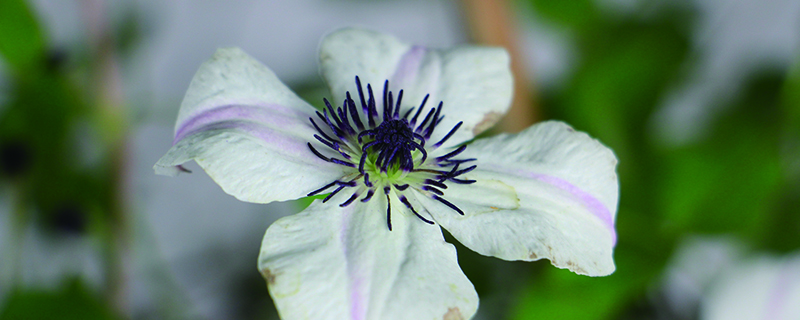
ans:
(393, 142)
(387, 157)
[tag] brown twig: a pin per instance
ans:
(492, 22)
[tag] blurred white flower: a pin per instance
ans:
(763, 288)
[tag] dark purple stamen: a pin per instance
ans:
(447, 136)
(389, 145)
(332, 194)
(349, 200)
(432, 189)
(421, 106)
(452, 153)
(388, 212)
(387, 107)
(370, 193)
(447, 203)
(354, 112)
(333, 160)
(404, 200)
(394, 141)
(397, 107)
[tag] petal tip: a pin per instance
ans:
(170, 171)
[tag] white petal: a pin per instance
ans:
(248, 131)
(547, 192)
(766, 288)
(474, 83)
(338, 263)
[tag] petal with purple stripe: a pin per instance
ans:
(566, 189)
(474, 82)
(338, 263)
(248, 131)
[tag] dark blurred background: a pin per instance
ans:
(700, 100)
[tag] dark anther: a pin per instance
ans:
(435, 183)
(332, 160)
(421, 106)
(452, 153)
(332, 113)
(371, 105)
(432, 189)
(408, 112)
(425, 121)
(320, 130)
(361, 96)
(447, 136)
(387, 108)
(436, 120)
(397, 107)
(394, 141)
(366, 180)
(462, 181)
(351, 105)
(369, 195)
(332, 194)
(349, 200)
(447, 203)
(449, 162)
(333, 127)
(389, 143)
(463, 171)
(388, 211)
(404, 200)
(315, 192)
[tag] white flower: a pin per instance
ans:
(397, 170)
(762, 287)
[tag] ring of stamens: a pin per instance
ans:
(388, 154)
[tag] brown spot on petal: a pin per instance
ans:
(533, 256)
(487, 122)
(268, 275)
(453, 314)
(574, 267)
(494, 208)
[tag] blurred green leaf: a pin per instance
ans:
(728, 182)
(72, 301)
(785, 224)
(577, 14)
(21, 42)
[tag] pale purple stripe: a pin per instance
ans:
(357, 304)
(273, 115)
(778, 296)
(279, 141)
(590, 202)
(408, 66)
(357, 307)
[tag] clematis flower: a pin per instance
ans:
(389, 151)
(761, 287)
